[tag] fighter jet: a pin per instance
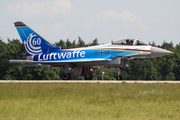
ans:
(111, 56)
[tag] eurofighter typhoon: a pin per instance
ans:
(112, 56)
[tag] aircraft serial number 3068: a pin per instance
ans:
(112, 56)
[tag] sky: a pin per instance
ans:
(106, 20)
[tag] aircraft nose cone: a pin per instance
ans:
(157, 52)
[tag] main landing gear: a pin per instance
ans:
(88, 74)
(66, 75)
(87, 71)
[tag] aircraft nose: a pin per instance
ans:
(157, 52)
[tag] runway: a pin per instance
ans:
(84, 81)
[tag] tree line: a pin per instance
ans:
(162, 68)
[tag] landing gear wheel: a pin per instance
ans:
(66, 76)
(120, 77)
(88, 76)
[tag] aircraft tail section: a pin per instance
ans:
(34, 43)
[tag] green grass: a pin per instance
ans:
(87, 101)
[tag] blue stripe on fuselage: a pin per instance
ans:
(78, 54)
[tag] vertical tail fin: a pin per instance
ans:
(33, 42)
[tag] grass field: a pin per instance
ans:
(87, 101)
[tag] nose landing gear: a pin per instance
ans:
(119, 74)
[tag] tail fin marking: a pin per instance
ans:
(33, 42)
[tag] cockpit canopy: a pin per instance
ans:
(133, 42)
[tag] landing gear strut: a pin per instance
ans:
(119, 74)
(88, 74)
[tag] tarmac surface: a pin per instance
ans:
(84, 81)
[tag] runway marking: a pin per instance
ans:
(82, 81)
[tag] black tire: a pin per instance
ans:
(120, 77)
(66, 76)
(88, 76)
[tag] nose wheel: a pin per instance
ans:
(119, 74)
(120, 77)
